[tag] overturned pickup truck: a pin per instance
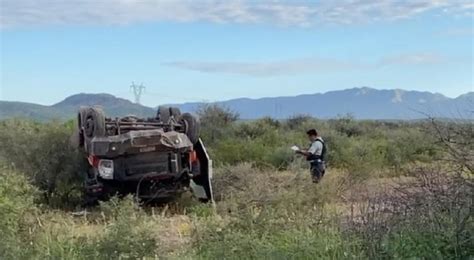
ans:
(155, 158)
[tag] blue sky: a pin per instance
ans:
(216, 50)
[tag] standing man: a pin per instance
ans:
(315, 155)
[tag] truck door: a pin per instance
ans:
(201, 184)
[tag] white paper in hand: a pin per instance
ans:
(295, 148)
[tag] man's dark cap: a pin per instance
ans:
(312, 132)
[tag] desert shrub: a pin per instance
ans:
(408, 145)
(268, 215)
(121, 231)
(347, 125)
(360, 157)
(375, 146)
(280, 158)
(254, 142)
(215, 120)
(255, 129)
(296, 121)
(239, 187)
(260, 142)
(234, 241)
(228, 180)
(303, 126)
(127, 234)
(231, 151)
(270, 122)
(17, 209)
(23, 225)
(429, 216)
(43, 152)
(456, 141)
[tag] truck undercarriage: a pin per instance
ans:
(155, 158)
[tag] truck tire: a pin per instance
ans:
(163, 114)
(81, 117)
(191, 126)
(175, 112)
(95, 123)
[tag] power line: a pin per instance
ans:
(137, 91)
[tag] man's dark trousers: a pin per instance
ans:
(317, 169)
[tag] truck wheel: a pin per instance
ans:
(175, 112)
(163, 114)
(81, 117)
(191, 127)
(95, 123)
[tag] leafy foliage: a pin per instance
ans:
(428, 217)
(215, 120)
(368, 145)
(43, 152)
(17, 197)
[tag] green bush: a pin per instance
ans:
(126, 234)
(347, 125)
(409, 145)
(280, 158)
(43, 152)
(269, 215)
(429, 217)
(414, 243)
(27, 232)
(363, 146)
(296, 121)
(215, 120)
(235, 242)
(30, 233)
(17, 212)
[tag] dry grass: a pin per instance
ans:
(258, 213)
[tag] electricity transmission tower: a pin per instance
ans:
(137, 91)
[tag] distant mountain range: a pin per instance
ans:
(67, 109)
(363, 103)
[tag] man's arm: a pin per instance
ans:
(303, 152)
(315, 147)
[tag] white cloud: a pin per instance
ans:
(457, 32)
(265, 69)
(25, 13)
(305, 65)
(412, 59)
